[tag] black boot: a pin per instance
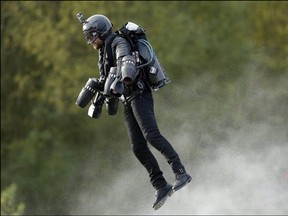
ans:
(181, 180)
(161, 195)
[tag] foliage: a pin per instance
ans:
(8, 202)
(46, 140)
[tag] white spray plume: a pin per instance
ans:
(245, 173)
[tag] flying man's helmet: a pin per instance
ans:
(96, 26)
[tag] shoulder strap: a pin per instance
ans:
(123, 32)
(108, 49)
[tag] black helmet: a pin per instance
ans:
(96, 26)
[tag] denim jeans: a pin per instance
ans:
(143, 129)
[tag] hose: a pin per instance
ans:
(151, 52)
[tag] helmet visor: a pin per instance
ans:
(90, 36)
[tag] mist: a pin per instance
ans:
(236, 154)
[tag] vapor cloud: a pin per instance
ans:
(246, 172)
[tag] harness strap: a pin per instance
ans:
(109, 50)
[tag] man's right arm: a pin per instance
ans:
(126, 61)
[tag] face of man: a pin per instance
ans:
(97, 44)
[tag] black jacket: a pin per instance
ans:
(110, 55)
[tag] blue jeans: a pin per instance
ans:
(143, 129)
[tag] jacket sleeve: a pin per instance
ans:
(125, 60)
(121, 48)
(124, 70)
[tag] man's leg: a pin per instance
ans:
(143, 109)
(142, 152)
(144, 155)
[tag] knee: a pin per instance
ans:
(139, 150)
(152, 136)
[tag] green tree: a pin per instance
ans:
(45, 61)
(9, 205)
(268, 29)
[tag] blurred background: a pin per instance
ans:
(225, 111)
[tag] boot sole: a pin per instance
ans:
(163, 200)
(181, 186)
